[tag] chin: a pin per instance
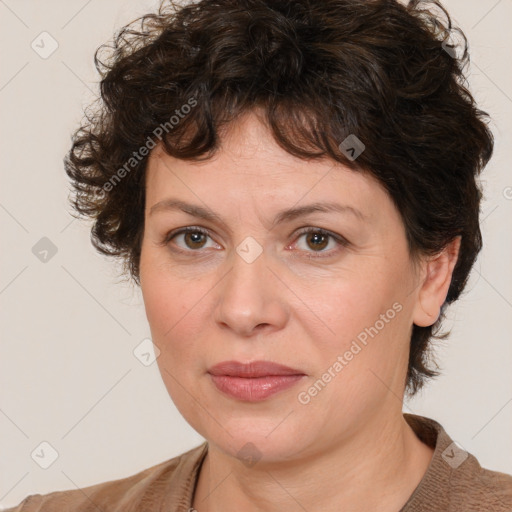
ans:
(257, 441)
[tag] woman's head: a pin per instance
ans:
(258, 255)
(179, 89)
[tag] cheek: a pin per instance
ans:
(348, 306)
(178, 313)
(176, 317)
(367, 324)
(166, 297)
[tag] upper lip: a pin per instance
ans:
(252, 369)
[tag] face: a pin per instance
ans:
(329, 293)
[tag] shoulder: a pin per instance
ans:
(143, 491)
(455, 480)
(474, 487)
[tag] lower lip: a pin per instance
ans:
(254, 389)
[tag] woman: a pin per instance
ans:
(294, 187)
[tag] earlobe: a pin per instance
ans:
(434, 287)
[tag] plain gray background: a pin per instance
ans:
(69, 376)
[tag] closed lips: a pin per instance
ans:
(255, 381)
(254, 369)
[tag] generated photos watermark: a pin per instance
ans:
(357, 345)
(143, 151)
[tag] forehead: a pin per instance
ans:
(249, 169)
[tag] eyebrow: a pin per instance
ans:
(283, 216)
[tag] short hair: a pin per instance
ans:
(378, 70)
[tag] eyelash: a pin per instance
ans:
(311, 254)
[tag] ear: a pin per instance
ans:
(436, 279)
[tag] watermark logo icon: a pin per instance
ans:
(44, 455)
(454, 455)
(44, 250)
(249, 454)
(249, 249)
(44, 45)
(146, 352)
(352, 147)
(453, 45)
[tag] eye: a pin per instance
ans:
(192, 238)
(319, 239)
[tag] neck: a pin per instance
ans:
(376, 469)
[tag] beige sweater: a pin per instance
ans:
(454, 482)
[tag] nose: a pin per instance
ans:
(250, 299)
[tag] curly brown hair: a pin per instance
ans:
(320, 71)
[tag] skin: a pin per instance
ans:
(349, 448)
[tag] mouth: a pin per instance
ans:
(255, 381)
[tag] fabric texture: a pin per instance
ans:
(453, 482)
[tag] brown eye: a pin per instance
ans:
(189, 239)
(194, 239)
(317, 240)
